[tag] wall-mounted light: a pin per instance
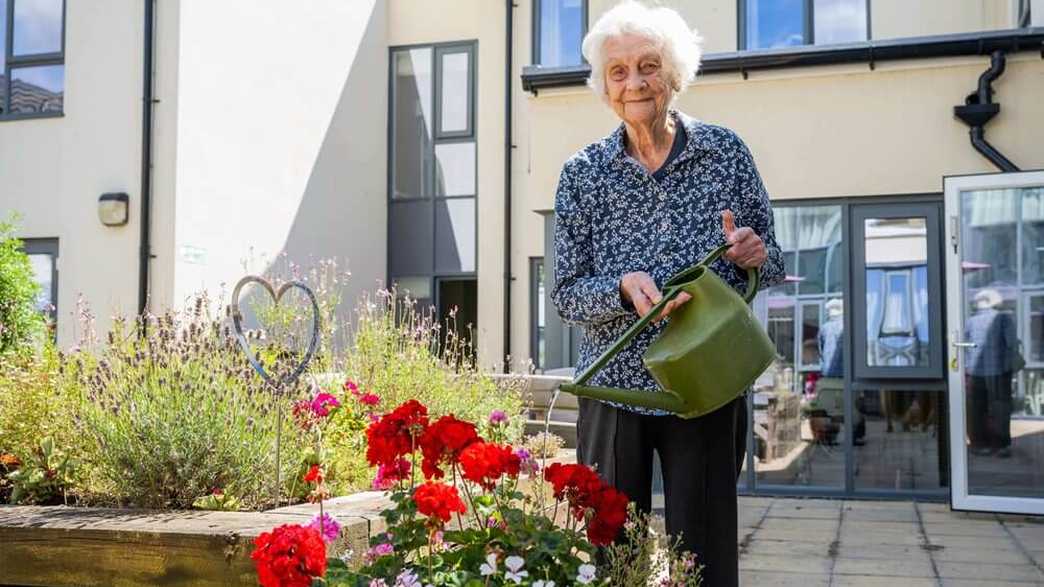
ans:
(113, 209)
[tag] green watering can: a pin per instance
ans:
(711, 351)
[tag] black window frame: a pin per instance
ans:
(932, 213)
(585, 15)
(809, 25)
(431, 199)
(46, 246)
(1024, 16)
(38, 59)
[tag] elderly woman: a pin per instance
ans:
(652, 198)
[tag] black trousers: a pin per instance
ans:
(700, 458)
(989, 411)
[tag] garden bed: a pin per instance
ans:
(59, 546)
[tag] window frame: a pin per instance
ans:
(808, 24)
(585, 15)
(431, 199)
(38, 59)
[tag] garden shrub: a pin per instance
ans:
(21, 325)
(178, 413)
(399, 353)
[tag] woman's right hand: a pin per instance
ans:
(640, 290)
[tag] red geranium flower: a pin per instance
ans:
(394, 434)
(289, 556)
(390, 474)
(590, 498)
(485, 463)
(438, 500)
(443, 442)
(314, 475)
(369, 399)
(607, 516)
(575, 483)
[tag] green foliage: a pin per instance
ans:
(33, 404)
(400, 353)
(177, 413)
(217, 501)
(21, 325)
(44, 477)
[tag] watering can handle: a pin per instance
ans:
(753, 280)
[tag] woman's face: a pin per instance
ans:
(634, 80)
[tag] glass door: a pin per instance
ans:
(995, 321)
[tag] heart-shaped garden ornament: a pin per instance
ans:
(280, 385)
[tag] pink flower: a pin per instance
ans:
(497, 417)
(330, 529)
(369, 399)
(376, 552)
(529, 466)
(322, 404)
(351, 387)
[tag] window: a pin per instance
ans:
(32, 66)
(559, 27)
(537, 322)
(43, 255)
(433, 166)
(771, 24)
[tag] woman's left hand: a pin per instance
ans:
(747, 250)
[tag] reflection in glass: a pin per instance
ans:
(896, 292)
(775, 23)
(37, 89)
(561, 31)
(456, 92)
(540, 324)
(810, 337)
(43, 272)
(1003, 380)
(455, 169)
(37, 27)
(900, 440)
(415, 287)
(411, 93)
(840, 21)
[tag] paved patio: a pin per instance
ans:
(810, 542)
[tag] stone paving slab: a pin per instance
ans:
(788, 541)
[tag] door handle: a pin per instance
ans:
(965, 345)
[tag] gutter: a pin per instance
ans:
(145, 250)
(535, 78)
(509, 25)
(979, 108)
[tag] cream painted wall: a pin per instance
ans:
(890, 19)
(53, 170)
(281, 121)
(423, 21)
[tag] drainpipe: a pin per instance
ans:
(509, 25)
(979, 108)
(145, 251)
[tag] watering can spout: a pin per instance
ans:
(654, 400)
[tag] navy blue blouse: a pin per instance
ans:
(612, 217)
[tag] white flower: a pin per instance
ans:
(543, 583)
(586, 574)
(407, 579)
(514, 565)
(490, 566)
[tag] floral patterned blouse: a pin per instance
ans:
(612, 217)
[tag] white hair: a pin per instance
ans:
(680, 48)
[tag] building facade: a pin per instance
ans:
(420, 143)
